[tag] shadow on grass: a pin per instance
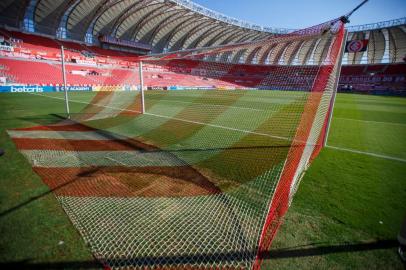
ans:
(96, 169)
(37, 197)
(213, 258)
(134, 145)
(27, 264)
(47, 119)
(324, 250)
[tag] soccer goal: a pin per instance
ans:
(195, 166)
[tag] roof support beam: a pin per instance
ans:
(210, 31)
(164, 23)
(137, 6)
(146, 19)
(29, 21)
(190, 21)
(224, 32)
(190, 33)
(62, 31)
(107, 4)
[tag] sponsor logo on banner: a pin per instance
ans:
(6, 48)
(191, 87)
(74, 88)
(40, 89)
(108, 88)
(156, 88)
(26, 89)
(23, 89)
(85, 62)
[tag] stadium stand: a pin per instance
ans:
(383, 79)
(378, 70)
(90, 66)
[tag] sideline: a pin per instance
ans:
(366, 153)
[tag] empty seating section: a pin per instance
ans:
(30, 72)
(49, 73)
(383, 79)
(36, 60)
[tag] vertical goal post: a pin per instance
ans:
(333, 99)
(64, 82)
(141, 75)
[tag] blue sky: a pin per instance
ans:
(301, 13)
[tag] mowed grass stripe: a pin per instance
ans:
(66, 125)
(129, 118)
(135, 107)
(125, 118)
(79, 145)
(257, 154)
(174, 131)
(220, 119)
(122, 121)
(248, 144)
(363, 133)
(131, 158)
(210, 105)
(66, 135)
(160, 108)
(129, 130)
(119, 102)
(101, 98)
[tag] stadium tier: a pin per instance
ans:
(91, 66)
(382, 79)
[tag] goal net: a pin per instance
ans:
(199, 170)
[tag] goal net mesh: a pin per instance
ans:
(203, 178)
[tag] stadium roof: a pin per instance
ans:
(173, 24)
(170, 25)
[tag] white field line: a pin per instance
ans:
(369, 121)
(366, 153)
(214, 105)
(246, 131)
(117, 161)
(219, 126)
(87, 103)
(180, 119)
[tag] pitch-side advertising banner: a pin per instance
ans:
(40, 89)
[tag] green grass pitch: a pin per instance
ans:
(346, 214)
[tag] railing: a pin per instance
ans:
(224, 18)
(378, 25)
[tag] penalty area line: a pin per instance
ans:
(219, 126)
(179, 119)
(213, 105)
(365, 153)
(87, 103)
